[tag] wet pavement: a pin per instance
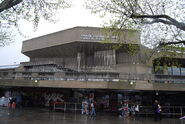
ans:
(44, 116)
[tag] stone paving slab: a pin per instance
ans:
(44, 116)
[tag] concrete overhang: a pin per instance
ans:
(69, 49)
(76, 34)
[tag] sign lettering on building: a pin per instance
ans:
(96, 37)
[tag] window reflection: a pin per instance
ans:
(171, 70)
(176, 71)
(182, 71)
(159, 70)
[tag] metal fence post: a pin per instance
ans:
(64, 107)
(75, 107)
(54, 107)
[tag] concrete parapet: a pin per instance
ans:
(122, 85)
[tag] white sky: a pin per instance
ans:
(77, 15)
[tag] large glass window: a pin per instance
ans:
(159, 69)
(176, 70)
(182, 71)
(170, 72)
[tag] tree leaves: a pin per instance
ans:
(12, 11)
(161, 22)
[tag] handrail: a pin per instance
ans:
(143, 110)
(91, 76)
(67, 106)
(166, 110)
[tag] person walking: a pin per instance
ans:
(126, 111)
(157, 111)
(132, 111)
(83, 107)
(120, 109)
(136, 110)
(86, 108)
(93, 111)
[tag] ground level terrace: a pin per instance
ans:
(107, 100)
(38, 116)
(108, 94)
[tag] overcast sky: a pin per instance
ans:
(77, 15)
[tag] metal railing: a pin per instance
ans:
(67, 106)
(166, 110)
(143, 110)
(92, 76)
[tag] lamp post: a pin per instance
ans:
(131, 83)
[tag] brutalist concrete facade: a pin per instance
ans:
(97, 58)
(87, 49)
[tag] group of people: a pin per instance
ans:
(88, 108)
(128, 110)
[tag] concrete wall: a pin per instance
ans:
(100, 61)
(122, 85)
(131, 68)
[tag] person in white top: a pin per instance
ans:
(93, 111)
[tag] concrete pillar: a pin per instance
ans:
(80, 60)
(114, 57)
(165, 69)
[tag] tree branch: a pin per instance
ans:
(171, 43)
(160, 18)
(154, 17)
(159, 21)
(6, 4)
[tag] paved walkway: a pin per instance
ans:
(44, 116)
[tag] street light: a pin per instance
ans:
(156, 93)
(131, 82)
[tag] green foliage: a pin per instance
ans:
(117, 46)
(158, 21)
(132, 49)
(114, 35)
(30, 10)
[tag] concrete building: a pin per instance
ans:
(89, 59)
